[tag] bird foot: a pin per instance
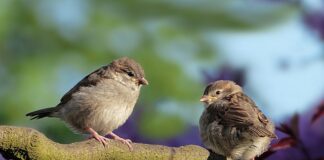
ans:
(98, 137)
(101, 139)
(124, 141)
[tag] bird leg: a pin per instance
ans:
(124, 141)
(96, 136)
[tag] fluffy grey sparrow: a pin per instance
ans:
(231, 124)
(101, 102)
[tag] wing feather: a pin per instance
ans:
(240, 111)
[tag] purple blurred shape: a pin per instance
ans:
(311, 136)
(189, 137)
(315, 20)
(1, 158)
(226, 72)
(130, 130)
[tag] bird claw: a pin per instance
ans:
(104, 140)
(101, 139)
(98, 137)
(124, 141)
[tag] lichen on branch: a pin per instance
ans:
(26, 143)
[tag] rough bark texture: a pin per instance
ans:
(27, 143)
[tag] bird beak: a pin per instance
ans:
(205, 99)
(143, 81)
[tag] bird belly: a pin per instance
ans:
(110, 118)
(250, 148)
(101, 118)
(99, 107)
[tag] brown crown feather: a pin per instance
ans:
(125, 64)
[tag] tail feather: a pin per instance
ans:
(46, 112)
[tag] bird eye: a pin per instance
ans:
(130, 73)
(217, 92)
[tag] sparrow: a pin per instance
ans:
(101, 102)
(231, 124)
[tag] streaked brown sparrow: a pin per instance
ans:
(231, 124)
(102, 101)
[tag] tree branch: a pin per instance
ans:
(27, 143)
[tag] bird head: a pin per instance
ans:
(219, 89)
(129, 71)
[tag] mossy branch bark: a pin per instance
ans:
(27, 143)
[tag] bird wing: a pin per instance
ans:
(230, 113)
(91, 79)
(240, 111)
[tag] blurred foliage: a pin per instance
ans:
(47, 46)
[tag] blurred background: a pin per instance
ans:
(273, 48)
